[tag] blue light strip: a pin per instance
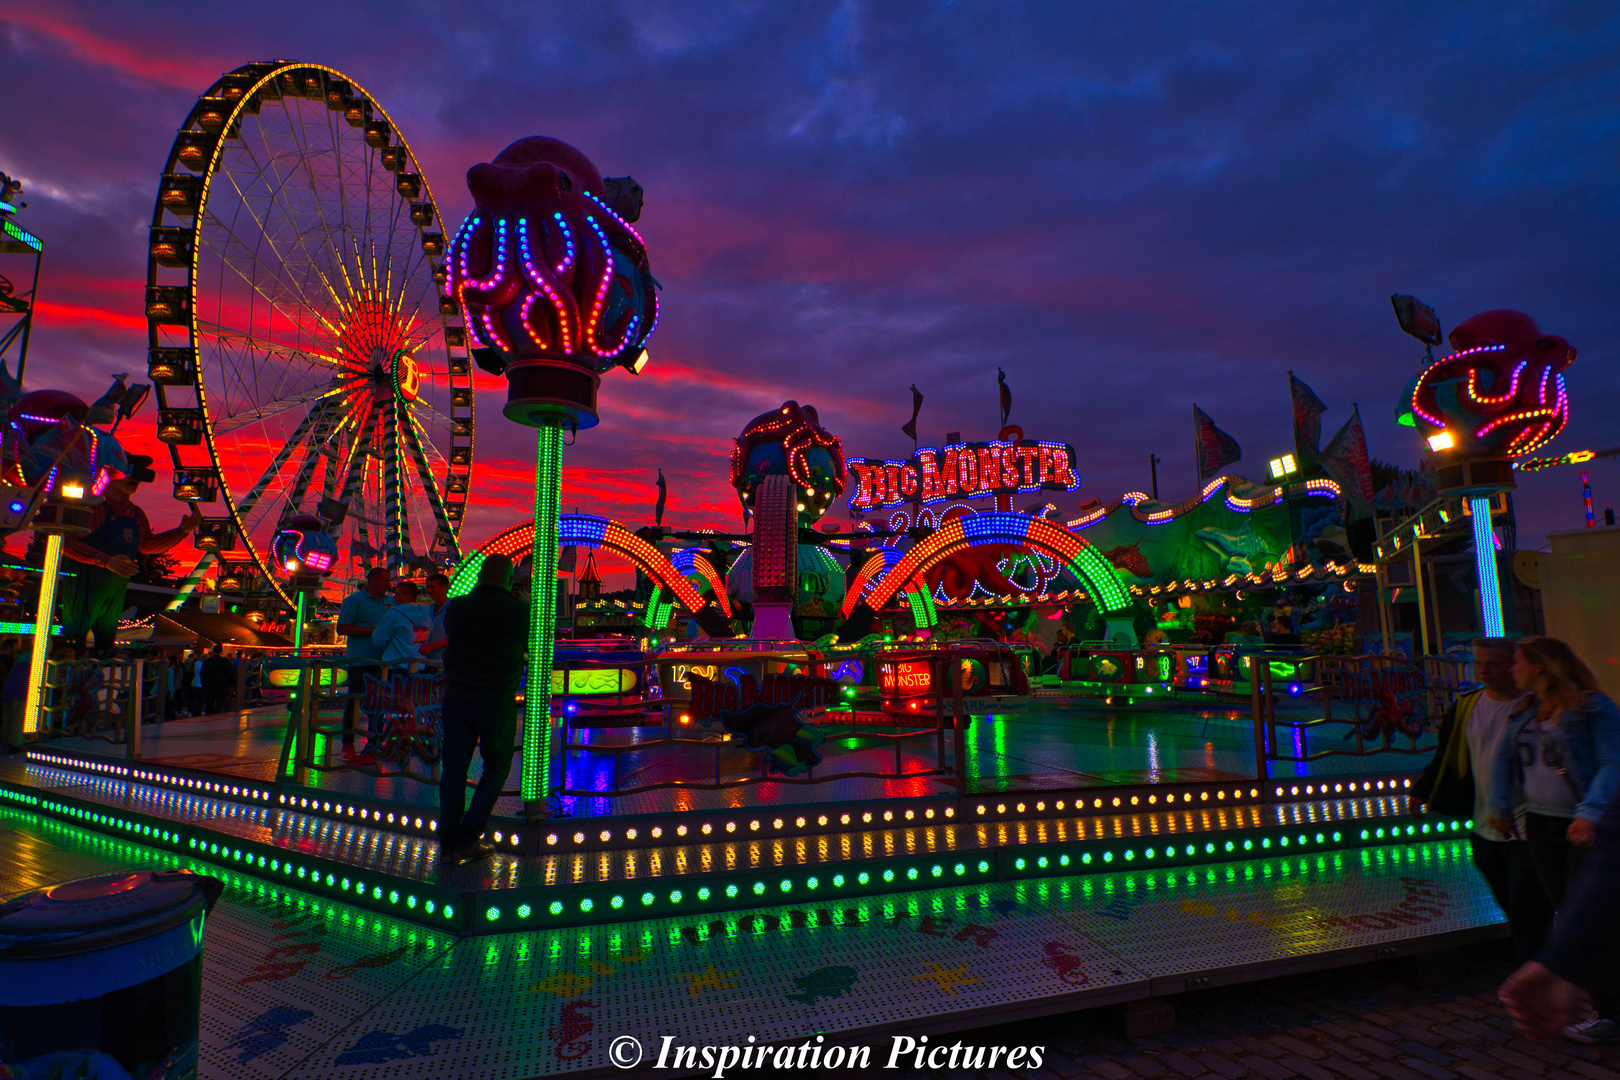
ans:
(581, 530)
(1490, 592)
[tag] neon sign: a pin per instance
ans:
(906, 677)
(964, 471)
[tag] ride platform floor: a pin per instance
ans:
(1048, 747)
(301, 986)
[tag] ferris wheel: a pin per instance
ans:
(305, 358)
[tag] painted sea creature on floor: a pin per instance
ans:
(834, 981)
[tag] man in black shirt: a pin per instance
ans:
(483, 665)
(218, 680)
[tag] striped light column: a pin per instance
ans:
(536, 783)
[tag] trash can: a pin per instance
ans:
(102, 977)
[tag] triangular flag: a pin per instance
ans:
(1214, 448)
(1308, 410)
(910, 426)
(1345, 459)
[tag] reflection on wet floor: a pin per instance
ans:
(1050, 746)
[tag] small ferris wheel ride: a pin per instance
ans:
(305, 358)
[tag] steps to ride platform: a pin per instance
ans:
(300, 984)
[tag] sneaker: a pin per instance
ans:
(478, 849)
(1597, 1029)
(351, 756)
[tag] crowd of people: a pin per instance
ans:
(1532, 758)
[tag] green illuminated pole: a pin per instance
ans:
(298, 627)
(536, 783)
(42, 632)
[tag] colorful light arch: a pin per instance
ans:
(691, 561)
(597, 533)
(973, 530)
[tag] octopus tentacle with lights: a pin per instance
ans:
(1501, 393)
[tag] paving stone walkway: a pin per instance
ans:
(1424, 1018)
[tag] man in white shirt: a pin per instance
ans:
(1457, 783)
(403, 630)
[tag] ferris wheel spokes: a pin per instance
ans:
(310, 306)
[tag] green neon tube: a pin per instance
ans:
(42, 632)
(1490, 589)
(536, 782)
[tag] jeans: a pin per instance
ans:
(1509, 870)
(357, 690)
(1555, 858)
(1556, 861)
(492, 730)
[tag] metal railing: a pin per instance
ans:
(1386, 704)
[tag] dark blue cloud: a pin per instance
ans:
(1127, 208)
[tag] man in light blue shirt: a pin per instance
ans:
(403, 630)
(357, 618)
(438, 587)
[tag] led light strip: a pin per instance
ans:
(418, 901)
(585, 834)
(620, 901)
(501, 910)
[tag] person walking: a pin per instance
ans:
(1545, 995)
(483, 665)
(14, 697)
(195, 703)
(1560, 764)
(218, 680)
(1457, 783)
(359, 616)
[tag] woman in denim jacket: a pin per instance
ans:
(1560, 764)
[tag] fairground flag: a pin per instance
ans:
(568, 560)
(1345, 459)
(663, 493)
(1006, 395)
(910, 426)
(1213, 448)
(1308, 410)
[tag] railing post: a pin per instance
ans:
(953, 679)
(1257, 717)
(132, 715)
(241, 682)
(161, 706)
(307, 687)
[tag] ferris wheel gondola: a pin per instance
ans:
(305, 358)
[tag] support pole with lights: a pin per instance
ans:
(551, 278)
(1417, 583)
(536, 783)
(42, 633)
(1490, 588)
(1498, 396)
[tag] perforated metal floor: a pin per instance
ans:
(305, 987)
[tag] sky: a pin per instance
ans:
(1130, 208)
